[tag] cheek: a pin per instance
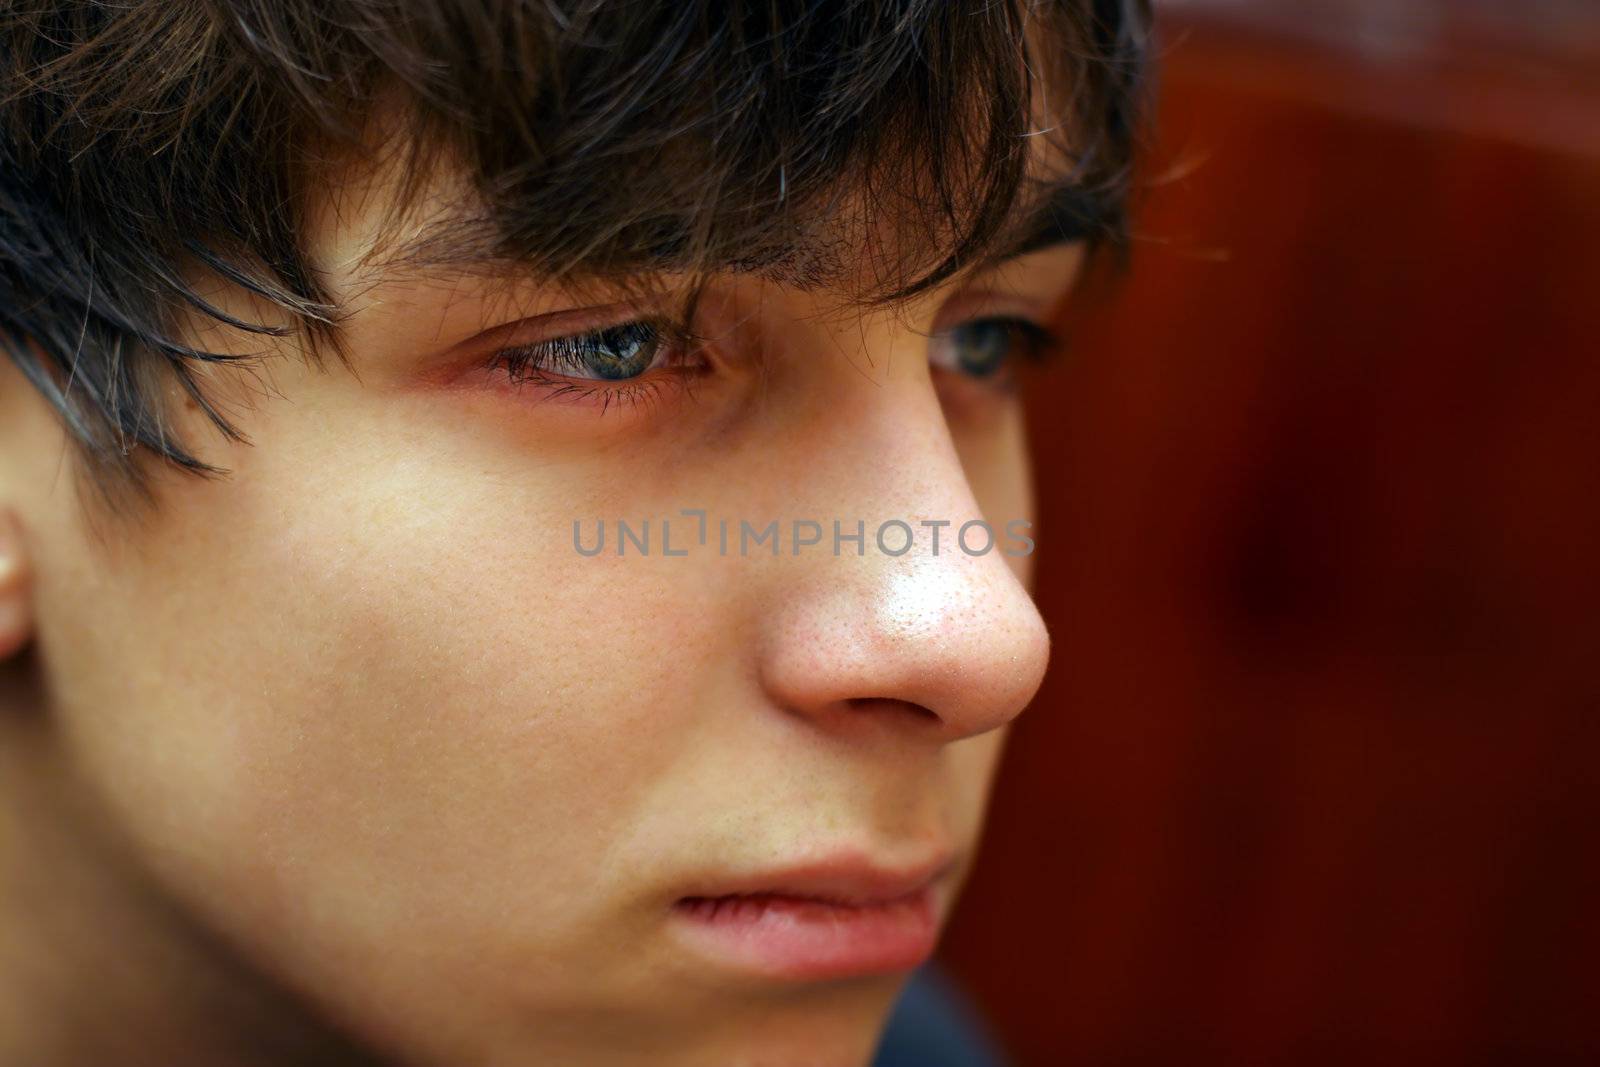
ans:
(359, 694)
(994, 457)
(973, 765)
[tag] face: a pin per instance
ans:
(372, 711)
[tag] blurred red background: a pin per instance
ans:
(1313, 779)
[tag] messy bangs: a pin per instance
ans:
(593, 140)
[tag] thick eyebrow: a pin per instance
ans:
(1066, 214)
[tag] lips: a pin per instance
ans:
(834, 919)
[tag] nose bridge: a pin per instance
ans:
(903, 610)
(888, 447)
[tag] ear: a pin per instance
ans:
(16, 606)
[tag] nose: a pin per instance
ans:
(946, 643)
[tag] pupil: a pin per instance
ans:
(622, 351)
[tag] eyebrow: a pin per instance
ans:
(1065, 213)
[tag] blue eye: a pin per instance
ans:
(614, 354)
(983, 348)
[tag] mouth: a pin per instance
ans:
(836, 919)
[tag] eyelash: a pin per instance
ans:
(1040, 343)
(673, 363)
(539, 364)
(1044, 342)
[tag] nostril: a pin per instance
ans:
(895, 704)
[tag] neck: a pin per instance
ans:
(97, 965)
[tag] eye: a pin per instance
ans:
(984, 348)
(615, 354)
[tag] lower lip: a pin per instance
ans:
(812, 939)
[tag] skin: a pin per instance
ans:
(352, 741)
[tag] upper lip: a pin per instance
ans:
(850, 878)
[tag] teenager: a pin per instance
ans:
(516, 522)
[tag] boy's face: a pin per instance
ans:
(364, 708)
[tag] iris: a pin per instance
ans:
(982, 348)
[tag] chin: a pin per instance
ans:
(810, 1043)
(831, 1025)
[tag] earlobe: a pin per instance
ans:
(16, 609)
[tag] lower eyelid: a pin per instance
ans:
(542, 385)
(579, 393)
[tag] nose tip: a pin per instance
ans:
(955, 637)
(969, 634)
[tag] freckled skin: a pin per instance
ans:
(360, 710)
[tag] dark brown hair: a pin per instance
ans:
(142, 141)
